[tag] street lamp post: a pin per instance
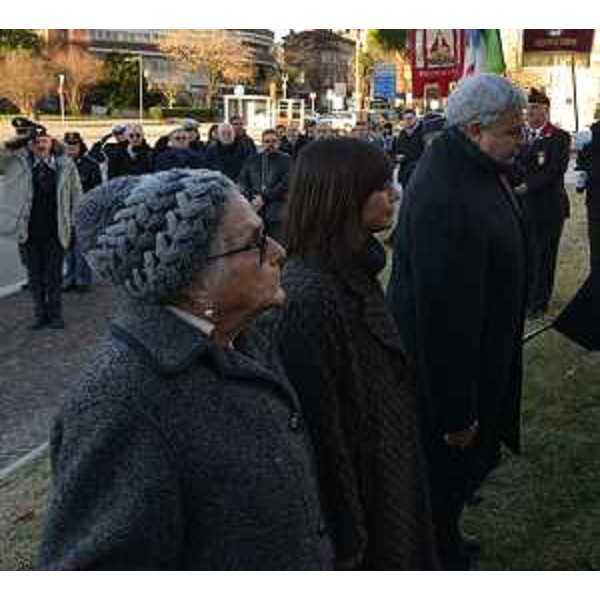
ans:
(313, 97)
(141, 90)
(284, 82)
(61, 95)
(141, 85)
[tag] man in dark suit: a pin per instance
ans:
(409, 145)
(542, 166)
(264, 181)
(458, 291)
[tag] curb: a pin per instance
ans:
(23, 461)
(13, 288)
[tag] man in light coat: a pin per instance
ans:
(42, 189)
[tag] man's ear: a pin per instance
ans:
(473, 130)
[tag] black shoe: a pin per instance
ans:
(39, 323)
(71, 287)
(82, 289)
(56, 323)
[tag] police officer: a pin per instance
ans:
(542, 166)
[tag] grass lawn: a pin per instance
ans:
(541, 510)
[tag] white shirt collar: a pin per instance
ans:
(206, 327)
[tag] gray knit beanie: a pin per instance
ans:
(98, 207)
(152, 245)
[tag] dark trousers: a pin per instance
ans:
(449, 476)
(44, 262)
(594, 238)
(543, 253)
(77, 270)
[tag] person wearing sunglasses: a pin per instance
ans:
(181, 446)
(133, 157)
(179, 154)
(343, 355)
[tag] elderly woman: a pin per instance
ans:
(342, 353)
(457, 292)
(181, 446)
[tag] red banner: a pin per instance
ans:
(436, 60)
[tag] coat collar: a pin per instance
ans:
(172, 346)
(362, 282)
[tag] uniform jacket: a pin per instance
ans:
(17, 201)
(542, 165)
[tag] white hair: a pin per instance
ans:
(485, 99)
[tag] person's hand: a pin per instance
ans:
(18, 141)
(462, 439)
(258, 202)
(521, 190)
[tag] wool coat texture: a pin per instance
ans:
(458, 292)
(342, 352)
(173, 453)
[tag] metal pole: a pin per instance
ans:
(357, 93)
(574, 76)
(61, 81)
(141, 117)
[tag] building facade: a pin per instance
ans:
(146, 43)
(319, 60)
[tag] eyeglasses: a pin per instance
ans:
(135, 136)
(179, 139)
(260, 244)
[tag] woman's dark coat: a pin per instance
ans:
(457, 292)
(342, 353)
(171, 453)
(179, 158)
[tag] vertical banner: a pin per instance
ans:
(436, 60)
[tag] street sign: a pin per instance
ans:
(384, 80)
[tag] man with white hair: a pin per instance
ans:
(226, 155)
(458, 293)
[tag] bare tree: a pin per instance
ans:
(23, 80)
(81, 71)
(171, 85)
(218, 54)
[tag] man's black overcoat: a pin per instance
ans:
(458, 291)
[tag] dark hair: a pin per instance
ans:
(268, 132)
(330, 182)
(212, 129)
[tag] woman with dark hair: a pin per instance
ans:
(342, 353)
(213, 135)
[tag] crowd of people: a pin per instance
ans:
(260, 402)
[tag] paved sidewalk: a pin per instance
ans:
(35, 365)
